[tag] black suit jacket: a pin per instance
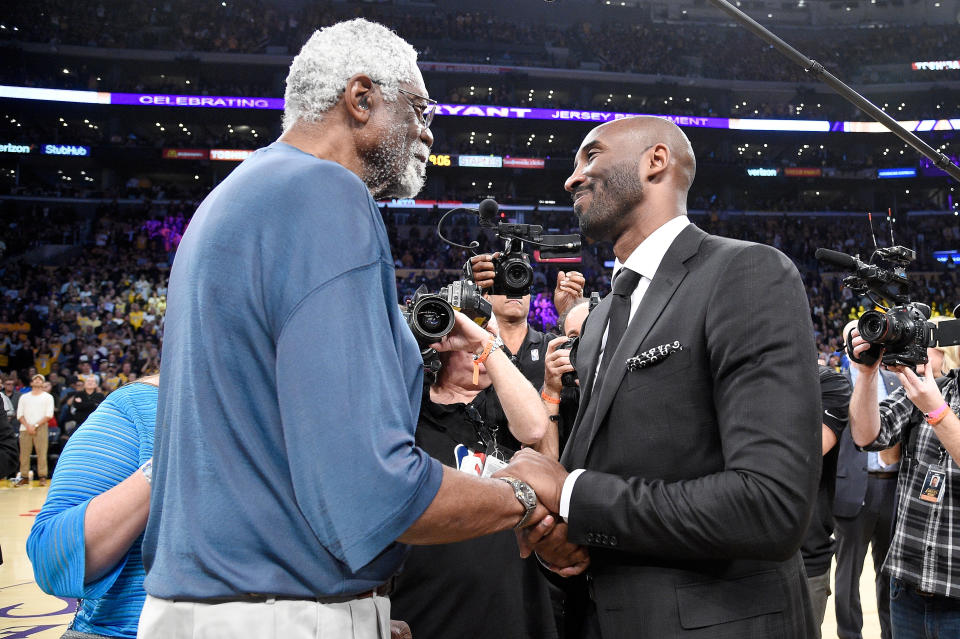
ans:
(702, 468)
(852, 466)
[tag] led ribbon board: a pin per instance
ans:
(479, 111)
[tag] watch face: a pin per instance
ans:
(527, 496)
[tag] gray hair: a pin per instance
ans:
(334, 54)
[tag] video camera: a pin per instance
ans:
(430, 315)
(513, 274)
(901, 333)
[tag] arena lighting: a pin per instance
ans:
(481, 111)
(817, 70)
(883, 174)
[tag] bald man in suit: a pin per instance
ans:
(690, 474)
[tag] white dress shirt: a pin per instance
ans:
(644, 260)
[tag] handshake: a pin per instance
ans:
(547, 534)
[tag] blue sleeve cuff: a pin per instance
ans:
(365, 549)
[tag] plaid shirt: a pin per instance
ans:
(926, 542)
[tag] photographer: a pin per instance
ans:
(561, 387)
(922, 416)
(444, 589)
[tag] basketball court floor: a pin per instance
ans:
(28, 613)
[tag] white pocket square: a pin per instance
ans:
(653, 356)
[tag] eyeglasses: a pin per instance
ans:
(424, 111)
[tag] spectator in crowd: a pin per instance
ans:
(85, 541)
(356, 126)
(34, 413)
(921, 415)
(11, 390)
(82, 404)
(9, 445)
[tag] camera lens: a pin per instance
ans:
(518, 275)
(875, 327)
(432, 318)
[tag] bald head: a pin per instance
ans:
(644, 132)
(630, 177)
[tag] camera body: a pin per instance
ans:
(430, 316)
(903, 333)
(569, 380)
(513, 274)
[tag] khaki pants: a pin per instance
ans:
(281, 619)
(27, 443)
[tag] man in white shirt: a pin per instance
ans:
(692, 466)
(34, 412)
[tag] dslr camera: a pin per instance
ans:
(430, 315)
(902, 332)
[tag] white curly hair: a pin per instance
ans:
(334, 54)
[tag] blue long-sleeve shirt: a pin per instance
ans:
(112, 443)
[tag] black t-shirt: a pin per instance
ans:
(472, 589)
(87, 404)
(818, 544)
(529, 359)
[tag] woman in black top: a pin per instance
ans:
(478, 588)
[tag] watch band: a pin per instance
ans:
(525, 495)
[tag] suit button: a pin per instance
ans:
(605, 539)
(613, 540)
(590, 538)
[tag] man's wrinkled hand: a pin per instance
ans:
(569, 290)
(544, 475)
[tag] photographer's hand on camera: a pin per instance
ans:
(864, 404)
(483, 270)
(921, 388)
(466, 335)
(556, 363)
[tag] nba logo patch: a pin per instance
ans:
(535, 355)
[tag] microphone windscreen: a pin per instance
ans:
(835, 258)
(488, 210)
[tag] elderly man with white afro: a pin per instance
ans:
(332, 55)
(342, 105)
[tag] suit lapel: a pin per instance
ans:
(669, 275)
(588, 353)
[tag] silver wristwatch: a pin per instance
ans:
(147, 470)
(526, 497)
(497, 344)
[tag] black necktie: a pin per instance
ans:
(623, 286)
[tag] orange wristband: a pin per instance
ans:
(493, 344)
(550, 399)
